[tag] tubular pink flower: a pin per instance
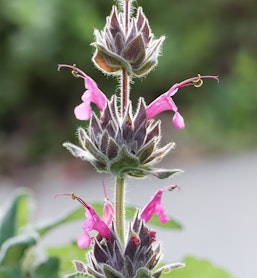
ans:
(93, 222)
(165, 102)
(155, 206)
(92, 94)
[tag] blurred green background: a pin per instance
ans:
(211, 37)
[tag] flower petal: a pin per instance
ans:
(178, 121)
(84, 240)
(92, 95)
(108, 213)
(155, 207)
(83, 111)
(164, 102)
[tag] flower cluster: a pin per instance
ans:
(127, 144)
(110, 258)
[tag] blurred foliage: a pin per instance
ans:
(207, 37)
(196, 268)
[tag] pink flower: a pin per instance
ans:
(165, 102)
(109, 210)
(155, 206)
(93, 221)
(92, 94)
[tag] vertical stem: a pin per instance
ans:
(119, 207)
(120, 181)
(127, 14)
(124, 91)
(124, 75)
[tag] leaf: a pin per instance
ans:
(111, 272)
(49, 268)
(13, 250)
(9, 216)
(46, 227)
(7, 272)
(159, 173)
(197, 268)
(143, 273)
(164, 173)
(66, 254)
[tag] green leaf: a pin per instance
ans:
(13, 216)
(49, 268)
(196, 268)
(143, 273)
(7, 272)
(46, 227)
(111, 272)
(159, 173)
(164, 173)
(66, 254)
(13, 250)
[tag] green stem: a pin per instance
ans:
(120, 181)
(124, 91)
(119, 207)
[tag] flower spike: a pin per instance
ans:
(93, 222)
(155, 206)
(165, 102)
(92, 94)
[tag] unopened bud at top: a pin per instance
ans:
(126, 43)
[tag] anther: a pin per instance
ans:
(198, 82)
(172, 187)
(73, 196)
(74, 72)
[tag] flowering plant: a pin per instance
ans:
(124, 142)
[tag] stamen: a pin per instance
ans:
(198, 82)
(172, 187)
(74, 72)
(60, 194)
(73, 196)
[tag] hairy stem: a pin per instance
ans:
(127, 14)
(124, 91)
(119, 207)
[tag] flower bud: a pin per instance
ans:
(133, 49)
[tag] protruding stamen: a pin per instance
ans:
(74, 197)
(172, 187)
(74, 72)
(198, 82)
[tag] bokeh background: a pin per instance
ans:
(211, 37)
